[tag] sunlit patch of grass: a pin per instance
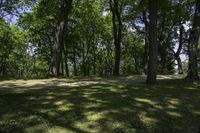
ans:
(111, 105)
(57, 129)
(143, 100)
(147, 120)
(174, 114)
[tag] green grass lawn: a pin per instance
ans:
(121, 105)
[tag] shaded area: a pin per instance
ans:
(113, 105)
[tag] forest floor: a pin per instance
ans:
(100, 105)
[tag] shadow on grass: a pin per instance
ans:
(102, 106)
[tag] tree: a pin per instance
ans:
(116, 7)
(13, 47)
(193, 45)
(152, 63)
(65, 7)
(178, 52)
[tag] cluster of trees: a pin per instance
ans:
(99, 37)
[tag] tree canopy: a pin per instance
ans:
(66, 38)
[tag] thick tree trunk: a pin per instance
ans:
(153, 48)
(117, 31)
(59, 38)
(193, 45)
(117, 60)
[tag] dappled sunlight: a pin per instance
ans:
(100, 106)
(143, 100)
(59, 103)
(170, 106)
(171, 76)
(192, 88)
(20, 86)
(196, 112)
(174, 101)
(146, 119)
(50, 97)
(174, 114)
(58, 129)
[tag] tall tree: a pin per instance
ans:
(152, 63)
(116, 7)
(193, 45)
(65, 7)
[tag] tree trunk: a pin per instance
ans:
(146, 46)
(1, 65)
(117, 60)
(193, 45)
(177, 54)
(153, 48)
(62, 65)
(94, 59)
(66, 67)
(116, 10)
(74, 62)
(179, 63)
(59, 38)
(66, 61)
(94, 65)
(163, 56)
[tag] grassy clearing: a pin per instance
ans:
(122, 105)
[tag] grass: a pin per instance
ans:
(109, 105)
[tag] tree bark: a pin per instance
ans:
(65, 8)
(177, 54)
(193, 45)
(163, 55)
(153, 48)
(116, 9)
(179, 63)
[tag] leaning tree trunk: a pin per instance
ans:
(153, 48)
(177, 54)
(193, 45)
(58, 46)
